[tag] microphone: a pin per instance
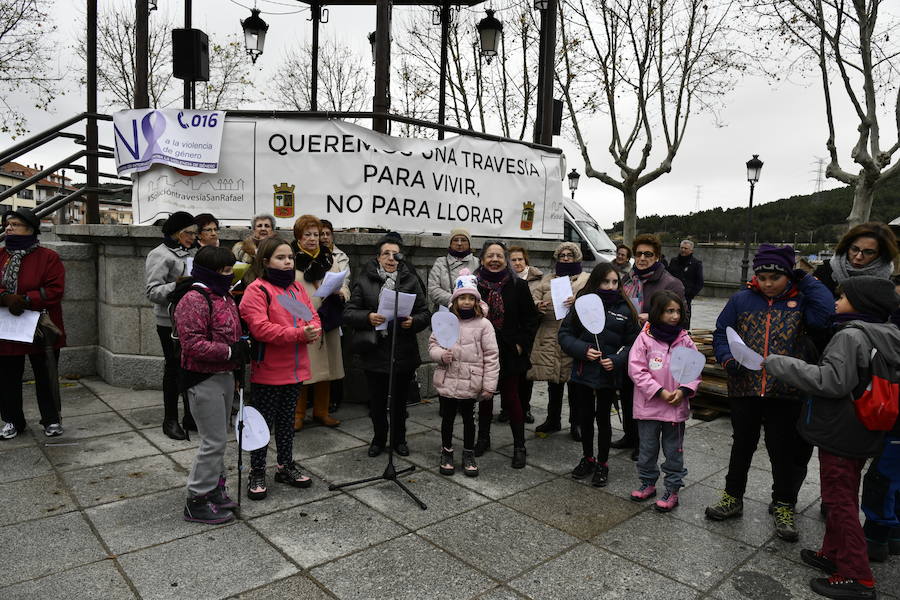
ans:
(398, 256)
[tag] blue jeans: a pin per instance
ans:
(651, 435)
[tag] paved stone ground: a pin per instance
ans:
(96, 514)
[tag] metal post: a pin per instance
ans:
(445, 35)
(316, 10)
(92, 206)
(142, 54)
(382, 101)
(540, 82)
(548, 60)
(745, 264)
(188, 84)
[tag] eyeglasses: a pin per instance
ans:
(566, 255)
(210, 230)
(867, 252)
(646, 253)
(16, 225)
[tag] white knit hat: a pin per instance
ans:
(466, 283)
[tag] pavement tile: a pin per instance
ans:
(498, 479)
(500, 593)
(166, 444)
(316, 441)
(350, 465)
(33, 499)
(75, 400)
(623, 476)
(498, 540)
(22, 463)
(97, 451)
(125, 479)
(587, 573)
(29, 438)
(89, 426)
(692, 555)
(442, 495)
(767, 577)
(700, 465)
(361, 428)
(280, 496)
(322, 531)
(407, 568)
(144, 417)
(351, 410)
(711, 442)
(123, 399)
(811, 533)
(427, 414)
(556, 453)
(295, 586)
(170, 571)
(96, 580)
(425, 449)
(97, 385)
(754, 527)
(759, 487)
(578, 510)
(45, 546)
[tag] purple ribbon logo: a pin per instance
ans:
(152, 126)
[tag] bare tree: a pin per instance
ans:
(25, 59)
(229, 84)
(647, 65)
(855, 55)
(343, 79)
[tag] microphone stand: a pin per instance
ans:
(390, 471)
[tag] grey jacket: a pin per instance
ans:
(443, 276)
(163, 268)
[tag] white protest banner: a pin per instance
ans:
(185, 139)
(356, 177)
(686, 364)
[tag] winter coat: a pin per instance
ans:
(163, 268)
(548, 361)
(648, 368)
(326, 362)
(615, 341)
(239, 249)
(520, 324)
(206, 336)
(533, 277)
(828, 419)
(689, 271)
(475, 368)
(772, 326)
(342, 263)
(442, 278)
(364, 300)
(659, 280)
(282, 357)
(42, 278)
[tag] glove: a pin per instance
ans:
(15, 302)
(240, 351)
(733, 367)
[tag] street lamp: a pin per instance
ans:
(574, 176)
(754, 166)
(489, 30)
(372, 45)
(152, 5)
(254, 34)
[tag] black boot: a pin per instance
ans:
(187, 423)
(200, 509)
(173, 430)
(484, 435)
(575, 432)
(518, 459)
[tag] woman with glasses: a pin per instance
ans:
(207, 230)
(165, 264)
(867, 249)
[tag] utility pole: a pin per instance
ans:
(92, 204)
(141, 53)
(382, 100)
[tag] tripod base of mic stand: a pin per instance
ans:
(390, 474)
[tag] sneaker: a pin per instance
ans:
(470, 467)
(647, 490)
(53, 430)
(785, 525)
(8, 432)
(667, 502)
(200, 509)
(727, 507)
(291, 475)
(447, 467)
(842, 588)
(819, 561)
(256, 485)
(585, 468)
(601, 476)
(220, 498)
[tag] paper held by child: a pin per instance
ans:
(405, 304)
(686, 364)
(560, 291)
(331, 283)
(741, 352)
(295, 307)
(445, 326)
(591, 312)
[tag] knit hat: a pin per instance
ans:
(462, 232)
(774, 259)
(26, 215)
(466, 283)
(873, 296)
(571, 247)
(177, 221)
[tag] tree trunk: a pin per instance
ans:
(629, 224)
(863, 196)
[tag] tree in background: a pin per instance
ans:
(344, 79)
(229, 84)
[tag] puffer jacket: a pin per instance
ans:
(772, 326)
(615, 341)
(282, 358)
(442, 277)
(206, 336)
(828, 419)
(520, 323)
(475, 368)
(163, 268)
(548, 361)
(648, 368)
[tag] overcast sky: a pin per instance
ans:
(783, 123)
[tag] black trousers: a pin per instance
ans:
(378, 406)
(170, 376)
(450, 407)
(626, 400)
(594, 406)
(11, 370)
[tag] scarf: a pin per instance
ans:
(494, 283)
(842, 270)
(635, 286)
(524, 273)
(665, 332)
(466, 313)
(282, 278)
(459, 253)
(841, 318)
(390, 283)
(568, 269)
(18, 247)
(609, 297)
(312, 266)
(215, 281)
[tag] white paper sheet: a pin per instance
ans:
(331, 283)
(295, 307)
(591, 312)
(386, 306)
(189, 266)
(445, 326)
(741, 352)
(18, 329)
(560, 291)
(686, 364)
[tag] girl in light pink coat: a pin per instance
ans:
(661, 404)
(467, 373)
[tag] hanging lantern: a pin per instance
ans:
(489, 30)
(254, 34)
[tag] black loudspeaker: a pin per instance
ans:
(557, 116)
(190, 55)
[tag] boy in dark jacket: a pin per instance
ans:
(830, 423)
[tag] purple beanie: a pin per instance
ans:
(777, 259)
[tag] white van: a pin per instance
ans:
(581, 228)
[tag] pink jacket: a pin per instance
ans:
(648, 367)
(205, 336)
(475, 367)
(283, 358)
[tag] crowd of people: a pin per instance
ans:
(256, 304)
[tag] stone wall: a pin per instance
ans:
(721, 267)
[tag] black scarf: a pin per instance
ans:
(466, 313)
(459, 253)
(280, 277)
(841, 318)
(494, 283)
(313, 268)
(646, 273)
(216, 282)
(568, 268)
(610, 297)
(18, 247)
(665, 332)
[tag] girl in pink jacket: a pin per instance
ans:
(660, 403)
(279, 361)
(466, 373)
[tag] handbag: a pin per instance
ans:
(364, 341)
(46, 333)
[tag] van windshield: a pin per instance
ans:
(597, 237)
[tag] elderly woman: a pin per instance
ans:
(262, 227)
(446, 268)
(386, 272)
(548, 362)
(165, 264)
(207, 230)
(622, 261)
(518, 260)
(31, 277)
(311, 261)
(512, 312)
(867, 249)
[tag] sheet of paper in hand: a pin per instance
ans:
(295, 307)
(686, 364)
(591, 312)
(256, 432)
(560, 290)
(445, 326)
(331, 283)
(741, 352)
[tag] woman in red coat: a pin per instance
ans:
(31, 278)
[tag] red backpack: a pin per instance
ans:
(879, 404)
